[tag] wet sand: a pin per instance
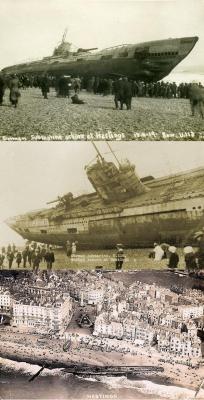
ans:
(37, 118)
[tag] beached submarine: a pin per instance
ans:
(130, 371)
(122, 209)
(148, 61)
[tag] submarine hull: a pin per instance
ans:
(167, 209)
(174, 227)
(149, 61)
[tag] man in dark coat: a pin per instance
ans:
(119, 257)
(63, 86)
(36, 259)
(45, 85)
(2, 88)
(199, 236)
(173, 257)
(18, 258)
(49, 258)
(10, 257)
(25, 256)
(126, 94)
(196, 96)
(68, 248)
(118, 92)
(14, 90)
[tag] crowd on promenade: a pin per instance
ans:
(67, 85)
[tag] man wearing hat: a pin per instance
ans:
(2, 88)
(49, 258)
(199, 236)
(173, 258)
(190, 258)
(119, 257)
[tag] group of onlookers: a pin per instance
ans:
(194, 259)
(32, 255)
(63, 84)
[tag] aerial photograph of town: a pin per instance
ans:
(110, 329)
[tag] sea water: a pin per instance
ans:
(187, 77)
(57, 384)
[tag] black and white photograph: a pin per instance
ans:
(101, 69)
(90, 335)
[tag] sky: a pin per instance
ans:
(30, 29)
(32, 174)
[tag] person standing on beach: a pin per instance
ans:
(199, 236)
(25, 256)
(119, 257)
(74, 248)
(190, 258)
(118, 92)
(2, 257)
(158, 251)
(36, 259)
(45, 85)
(2, 89)
(68, 248)
(18, 258)
(30, 253)
(126, 97)
(49, 258)
(14, 90)
(10, 257)
(3, 250)
(173, 258)
(196, 97)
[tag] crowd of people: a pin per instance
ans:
(194, 259)
(32, 255)
(122, 88)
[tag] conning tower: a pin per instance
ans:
(114, 183)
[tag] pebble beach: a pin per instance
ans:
(36, 118)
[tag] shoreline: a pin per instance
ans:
(157, 379)
(169, 377)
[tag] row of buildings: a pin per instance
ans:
(39, 309)
(145, 315)
(149, 315)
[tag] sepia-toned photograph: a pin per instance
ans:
(102, 270)
(90, 200)
(102, 70)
